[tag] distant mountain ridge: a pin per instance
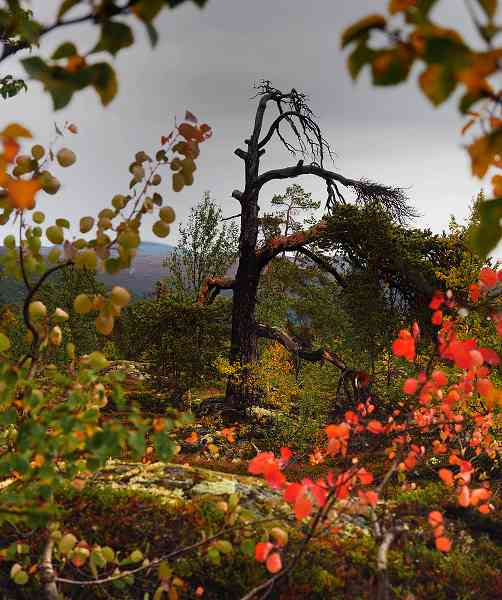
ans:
(140, 280)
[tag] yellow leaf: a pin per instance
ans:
(437, 83)
(396, 6)
(4, 342)
(22, 192)
(479, 152)
(362, 27)
(484, 152)
(14, 130)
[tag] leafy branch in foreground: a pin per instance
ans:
(446, 422)
(53, 430)
(390, 45)
(69, 70)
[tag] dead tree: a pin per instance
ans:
(296, 128)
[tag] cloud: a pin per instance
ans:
(207, 61)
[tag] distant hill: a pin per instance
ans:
(154, 249)
(139, 280)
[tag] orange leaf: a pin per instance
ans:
(443, 544)
(159, 424)
(446, 476)
(370, 497)
(75, 63)
(22, 192)
(481, 156)
(464, 497)
(396, 6)
(338, 431)
(192, 438)
(10, 149)
(435, 518)
(375, 427)
(262, 550)
(274, 563)
(479, 494)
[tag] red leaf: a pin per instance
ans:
(437, 318)
(435, 518)
(404, 346)
(291, 492)
(262, 550)
(410, 386)
(484, 387)
(490, 356)
(474, 293)
(257, 464)
(436, 301)
(365, 477)
(275, 478)
(439, 378)
(446, 476)
(375, 427)
(274, 563)
(488, 277)
(303, 506)
(286, 454)
(370, 497)
(443, 544)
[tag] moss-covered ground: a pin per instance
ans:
(159, 508)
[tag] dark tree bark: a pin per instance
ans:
(294, 115)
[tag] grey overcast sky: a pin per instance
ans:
(207, 61)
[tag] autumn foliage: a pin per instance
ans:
(410, 34)
(446, 418)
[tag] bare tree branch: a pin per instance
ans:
(275, 125)
(295, 241)
(232, 217)
(212, 287)
(393, 200)
(292, 106)
(278, 335)
(324, 264)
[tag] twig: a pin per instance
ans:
(166, 557)
(48, 577)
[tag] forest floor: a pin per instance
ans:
(162, 508)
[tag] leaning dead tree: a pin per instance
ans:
(294, 125)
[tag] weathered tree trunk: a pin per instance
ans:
(243, 348)
(295, 114)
